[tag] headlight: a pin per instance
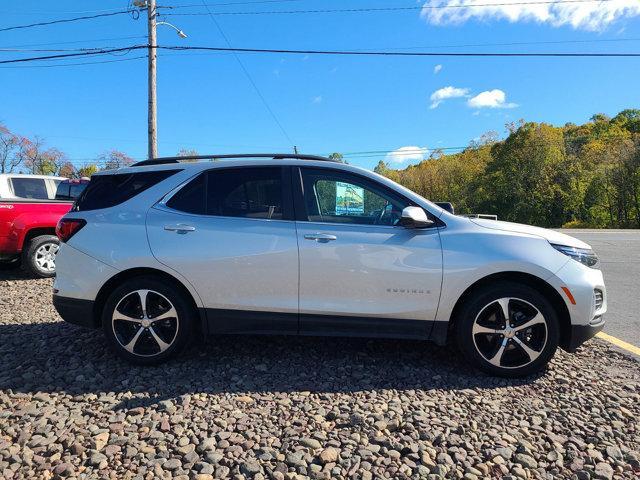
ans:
(585, 256)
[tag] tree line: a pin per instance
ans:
(20, 154)
(573, 176)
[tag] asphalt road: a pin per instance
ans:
(619, 252)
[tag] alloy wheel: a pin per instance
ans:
(145, 323)
(510, 333)
(45, 257)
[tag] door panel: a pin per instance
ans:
(377, 271)
(234, 263)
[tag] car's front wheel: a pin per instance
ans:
(508, 330)
(147, 321)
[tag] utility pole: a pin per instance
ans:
(153, 101)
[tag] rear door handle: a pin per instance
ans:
(320, 237)
(180, 228)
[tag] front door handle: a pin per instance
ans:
(320, 237)
(180, 228)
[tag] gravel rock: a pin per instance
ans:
(256, 408)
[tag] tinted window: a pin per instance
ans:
(30, 188)
(105, 191)
(245, 192)
(75, 189)
(62, 192)
(337, 197)
(191, 197)
(70, 190)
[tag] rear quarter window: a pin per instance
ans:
(106, 191)
(29, 188)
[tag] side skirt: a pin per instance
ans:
(223, 321)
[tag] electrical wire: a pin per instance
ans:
(61, 64)
(385, 9)
(325, 52)
(250, 78)
(64, 20)
(404, 54)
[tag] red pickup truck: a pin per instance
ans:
(30, 207)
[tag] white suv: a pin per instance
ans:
(168, 249)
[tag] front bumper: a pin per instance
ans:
(581, 333)
(75, 310)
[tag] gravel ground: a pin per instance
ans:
(285, 408)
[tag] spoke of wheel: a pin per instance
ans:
(497, 358)
(171, 313)
(143, 301)
(534, 321)
(504, 306)
(121, 316)
(161, 343)
(131, 345)
(528, 350)
(480, 329)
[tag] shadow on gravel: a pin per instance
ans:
(58, 357)
(13, 271)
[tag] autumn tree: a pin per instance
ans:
(9, 148)
(113, 159)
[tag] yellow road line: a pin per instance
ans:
(619, 343)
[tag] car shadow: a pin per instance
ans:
(14, 271)
(62, 358)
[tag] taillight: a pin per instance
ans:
(68, 227)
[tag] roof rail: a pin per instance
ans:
(274, 156)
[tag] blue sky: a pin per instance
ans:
(325, 104)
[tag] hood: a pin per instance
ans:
(551, 235)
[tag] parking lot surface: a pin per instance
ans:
(294, 408)
(619, 252)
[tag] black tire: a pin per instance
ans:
(32, 256)
(121, 332)
(483, 310)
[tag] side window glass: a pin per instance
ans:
(29, 188)
(191, 197)
(334, 197)
(245, 192)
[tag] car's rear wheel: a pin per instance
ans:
(39, 255)
(508, 330)
(147, 321)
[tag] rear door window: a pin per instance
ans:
(106, 191)
(235, 192)
(245, 192)
(29, 188)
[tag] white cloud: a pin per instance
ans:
(584, 16)
(406, 154)
(442, 94)
(437, 69)
(317, 99)
(490, 99)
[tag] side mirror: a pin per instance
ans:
(415, 217)
(448, 206)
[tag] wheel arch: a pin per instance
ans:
(36, 232)
(117, 279)
(526, 279)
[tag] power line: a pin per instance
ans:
(64, 20)
(249, 77)
(61, 64)
(381, 9)
(79, 54)
(404, 54)
(327, 52)
(131, 37)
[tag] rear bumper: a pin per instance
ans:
(75, 310)
(582, 333)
